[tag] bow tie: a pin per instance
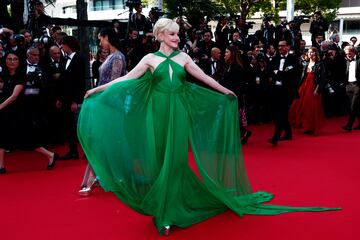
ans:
(32, 65)
(282, 57)
(68, 58)
(350, 60)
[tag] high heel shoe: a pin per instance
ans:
(52, 164)
(165, 230)
(86, 191)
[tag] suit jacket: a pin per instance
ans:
(52, 84)
(207, 67)
(73, 81)
(287, 80)
(357, 71)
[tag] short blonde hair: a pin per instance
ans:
(165, 24)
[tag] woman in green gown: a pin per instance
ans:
(135, 132)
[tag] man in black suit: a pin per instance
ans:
(284, 80)
(73, 91)
(352, 78)
(53, 67)
(214, 66)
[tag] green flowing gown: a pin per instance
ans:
(135, 135)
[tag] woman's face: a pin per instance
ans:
(311, 55)
(12, 61)
(104, 42)
(227, 55)
(170, 38)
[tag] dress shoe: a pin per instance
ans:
(70, 156)
(347, 128)
(246, 136)
(2, 170)
(165, 230)
(52, 164)
(272, 141)
(85, 191)
(357, 127)
(285, 138)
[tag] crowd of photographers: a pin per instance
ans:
(256, 51)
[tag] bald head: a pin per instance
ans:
(55, 53)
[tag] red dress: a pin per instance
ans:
(306, 112)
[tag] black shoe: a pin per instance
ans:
(285, 138)
(70, 156)
(347, 128)
(2, 170)
(272, 141)
(246, 137)
(52, 164)
(357, 127)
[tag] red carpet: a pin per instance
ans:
(320, 170)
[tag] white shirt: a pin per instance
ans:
(69, 60)
(352, 71)
(282, 62)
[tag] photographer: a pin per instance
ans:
(38, 19)
(243, 28)
(268, 30)
(5, 19)
(318, 27)
(138, 21)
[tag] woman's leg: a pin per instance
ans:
(89, 181)
(51, 156)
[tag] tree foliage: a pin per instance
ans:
(193, 9)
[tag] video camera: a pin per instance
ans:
(301, 19)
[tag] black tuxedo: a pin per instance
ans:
(52, 72)
(73, 91)
(213, 68)
(283, 90)
(353, 92)
(73, 81)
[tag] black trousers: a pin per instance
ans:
(353, 92)
(280, 106)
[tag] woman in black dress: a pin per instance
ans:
(235, 80)
(15, 126)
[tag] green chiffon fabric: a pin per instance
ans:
(136, 136)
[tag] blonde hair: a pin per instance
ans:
(165, 24)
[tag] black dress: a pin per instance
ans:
(10, 115)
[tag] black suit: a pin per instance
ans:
(52, 86)
(72, 92)
(213, 68)
(353, 92)
(283, 91)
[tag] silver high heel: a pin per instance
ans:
(86, 191)
(165, 230)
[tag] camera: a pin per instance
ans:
(249, 25)
(298, 20)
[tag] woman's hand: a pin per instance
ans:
(90, 92)
(229, 92)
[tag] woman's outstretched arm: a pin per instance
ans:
(197, 72)
(135, 73)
